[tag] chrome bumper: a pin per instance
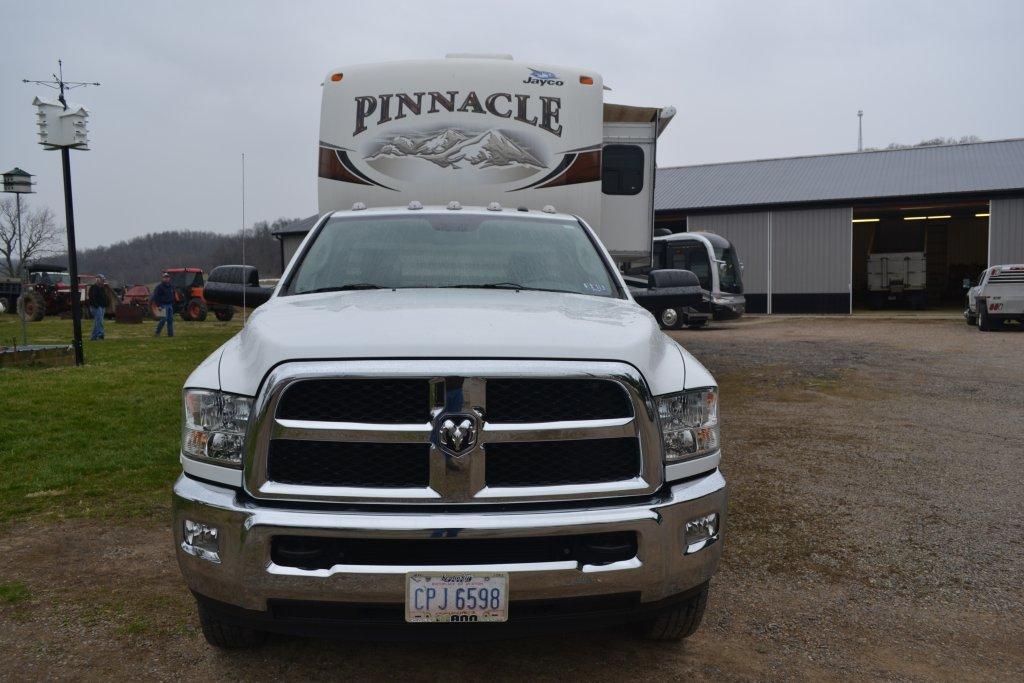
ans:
(246, 577)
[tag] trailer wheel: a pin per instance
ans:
(225, 314)
(33, 306)
(668, 319)
(197, 310)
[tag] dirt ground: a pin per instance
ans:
(875, 532)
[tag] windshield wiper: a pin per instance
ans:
(342, 288)
(507, 285)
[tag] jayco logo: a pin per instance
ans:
(543, 78)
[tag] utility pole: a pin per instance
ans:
(860, 130)
(64, 128)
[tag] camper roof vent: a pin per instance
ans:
(477, 55)
(548, 209)
(454, 206)
(415, 205)
(358, 206)
(494, 206)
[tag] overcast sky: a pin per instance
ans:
(188, 86)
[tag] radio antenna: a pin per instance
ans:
(244, 284)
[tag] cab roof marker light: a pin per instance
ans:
(548, 209)
(454, 206)
(359, 206)
(415, 205)
(586, 80)
(494, 206)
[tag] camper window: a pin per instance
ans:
(622, 169)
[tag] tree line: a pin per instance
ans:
(138, 260)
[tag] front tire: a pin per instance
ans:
(225, 314)
(227, 636)
(679, 621)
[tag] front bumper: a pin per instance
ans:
(246, 577)
(729, 307)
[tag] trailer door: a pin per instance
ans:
(627, 189)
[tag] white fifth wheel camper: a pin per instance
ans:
(478, 129)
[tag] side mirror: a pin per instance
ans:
(668, 277)
(235, 285)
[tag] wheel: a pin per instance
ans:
(971, 319)
(33, 305)
(668, 319)
(227, 636)
(225, 314)
(984, 322)
(697, 326)
(196, 309)
(679, 621)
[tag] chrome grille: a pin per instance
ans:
(543, 430)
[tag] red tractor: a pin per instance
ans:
(49, 292)
(188, 296)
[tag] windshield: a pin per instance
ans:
(452, 250)
(728, 270)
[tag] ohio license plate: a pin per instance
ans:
(456, 596)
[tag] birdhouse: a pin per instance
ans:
(18, 181)
(60, 127)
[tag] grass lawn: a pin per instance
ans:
(100, 440)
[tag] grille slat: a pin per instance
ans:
(554, 463)
(321, 463)
(553, 400)
(383, 401)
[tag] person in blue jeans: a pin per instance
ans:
(98, 303)
(163, 296)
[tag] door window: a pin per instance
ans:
(622, 169)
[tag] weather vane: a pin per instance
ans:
(58, 83)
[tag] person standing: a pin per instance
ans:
(163, 296)
(98, 302)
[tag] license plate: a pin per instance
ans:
(456, 596)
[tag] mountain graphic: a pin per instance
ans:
(453, 148)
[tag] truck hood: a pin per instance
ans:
(454, 323)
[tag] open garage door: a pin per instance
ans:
(918, 256)
(811, 257)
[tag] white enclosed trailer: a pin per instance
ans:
(477, 129)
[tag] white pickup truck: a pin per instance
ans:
(447, 414)
(997, 298)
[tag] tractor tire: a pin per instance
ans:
(678, 621)
(227, 636)
(33, 306)
(225, 314)
(197, 310)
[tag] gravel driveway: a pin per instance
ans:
(874, 532)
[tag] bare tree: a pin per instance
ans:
(39, 233)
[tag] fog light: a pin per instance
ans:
(700, 532)
(201, 540)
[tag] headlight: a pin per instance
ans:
(213, 426)
(689, 423)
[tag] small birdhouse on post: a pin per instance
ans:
(60, 127)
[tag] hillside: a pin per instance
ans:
(141, 259)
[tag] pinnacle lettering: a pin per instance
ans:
(364, 107)
(406, 102)
(521, 101)
(549, 114)
(543, 112)
(385, 109)
(472, 102)
(447, 103)
(492, 99)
